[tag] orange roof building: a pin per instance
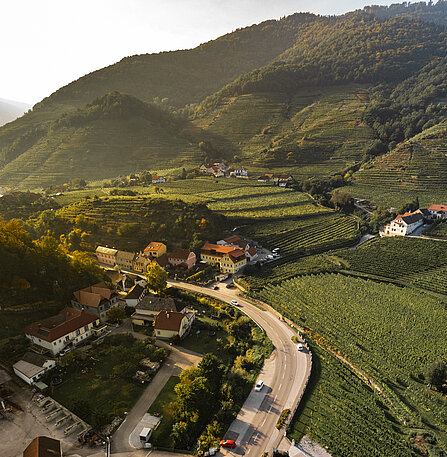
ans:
(96, 299)
(230, 259)
(155, 249)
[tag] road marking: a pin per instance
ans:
(280, 386)
(263, 422)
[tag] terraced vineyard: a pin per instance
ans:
(437, 230)
(408, 261)
(390, 332)
(298, 237)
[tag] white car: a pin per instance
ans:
(300, 347)
(235, 303)
(259, 385)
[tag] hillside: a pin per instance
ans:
(306, 94)
(90, 143)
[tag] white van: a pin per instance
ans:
(145, 434)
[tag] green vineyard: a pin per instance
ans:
(390, 332)
(409, 261)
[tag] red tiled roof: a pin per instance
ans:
(153, 246)
(233, 239)
(252, 251)
(437, 207)
(92, 296)
(162, 261)
(43, 446)
(171, 320)
(237, 255)
(216, 249)
(67, 321)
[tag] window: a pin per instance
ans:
(78, 332)
(86, 328)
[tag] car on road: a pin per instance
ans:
(259, 385)
(235, 303)
(228, 443)
(300, 347)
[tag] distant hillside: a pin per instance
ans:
(10, 110)
(309, 93)
(419, 163)
(115, 134)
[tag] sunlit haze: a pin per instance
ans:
(49, 43)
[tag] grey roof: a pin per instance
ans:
(411, 219)
(135, 292)
(425, 212)
(35, 359)
(154, 303)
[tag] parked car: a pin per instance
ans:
(269, 257)
(228, 443)
(216, 287)
(64, 351)
(259, 385)
(229, 285)
(235, 303)
(300, 347)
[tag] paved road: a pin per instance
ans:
(285, 376)
(178, 360)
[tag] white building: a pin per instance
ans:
(66, 329)
(32, 366)
(240, 172)
(438, 211)
(135, 295)
(404, 224)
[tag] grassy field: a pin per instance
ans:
(437, 230)
(390, 332)
(409, 261)
(161, 405)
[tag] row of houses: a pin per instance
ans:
(155, 252)
(281, 180)
(220, 169)
(231, 254)
(407, 223)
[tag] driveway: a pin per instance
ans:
(178, 360)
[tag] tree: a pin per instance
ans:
(341, 199)
(437, 374)
(157, 278)
(116, 314)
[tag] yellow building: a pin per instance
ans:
(106, 256)
(155, 249)
(230, 259)
(169, 324)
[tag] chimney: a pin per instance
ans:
(167, 315)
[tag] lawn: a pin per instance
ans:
(100, 387)
(161, 405)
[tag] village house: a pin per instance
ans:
(217, 169)
(403, 224)
(106, 256)
(96, 300)
(237, 241)
(158, 179)
(169, 324)
(438, 211)
(66, 329)
(43, 446)
(32, 366)
(135, 295)
(281, 180)
(230, 259)
(155, 249)
(182, 257)
(124, 260)
(141, 263)
(240, 172)
(147, 310)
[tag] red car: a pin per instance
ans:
(228, 443)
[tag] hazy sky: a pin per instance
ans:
(49, 43)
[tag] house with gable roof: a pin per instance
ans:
(96, 300)
(66, 329)
(155, 249)
(32, 366)
(182, 257)
(438, 211)
(403, 224)
(229, 258)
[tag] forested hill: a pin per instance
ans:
(302, 90)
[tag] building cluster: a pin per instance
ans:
(281, 180)
(220, 170)
(407, 223)
(154, 252)
(231, 254)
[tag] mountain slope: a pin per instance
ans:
(90, 142)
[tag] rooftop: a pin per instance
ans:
(92, 295)
(169, 320)
(107, 251)
(43, 446)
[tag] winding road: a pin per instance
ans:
(285, 375)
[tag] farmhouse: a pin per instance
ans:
(155, 249)
(106, 256)
(32, 366)
(217, 169)
(438, 211)
(240, 172)
(66, 329)
(403, 224)
(229, 258)
(182, 257)
(96, 300)
(147, 310)
(158, 179)
(169, 324)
